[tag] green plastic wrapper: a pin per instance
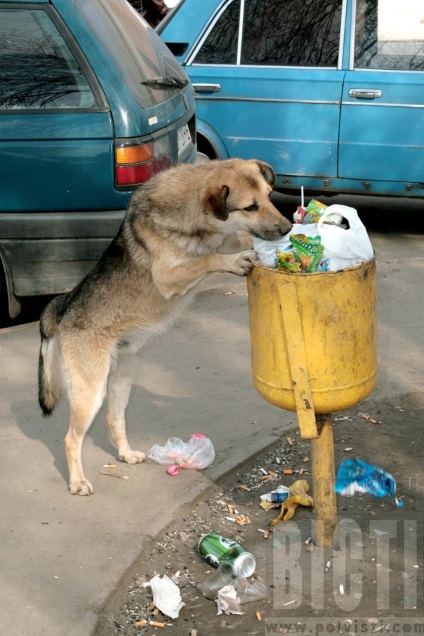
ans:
(308, 250)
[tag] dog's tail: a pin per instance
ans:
(49, 368)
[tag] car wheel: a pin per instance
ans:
(201, 158)
(4, 310)
(205, 148)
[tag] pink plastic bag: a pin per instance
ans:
(197, 453)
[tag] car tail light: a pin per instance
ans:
(136, 162)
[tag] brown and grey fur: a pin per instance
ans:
(166, 245)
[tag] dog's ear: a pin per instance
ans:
(266, 171)
(215, 202)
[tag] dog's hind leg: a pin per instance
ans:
(86, 389)
(118, 393)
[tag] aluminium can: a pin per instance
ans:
(216, 549)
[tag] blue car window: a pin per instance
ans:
(37, 69)
(220, 46)
(291, 32)
(389, 35)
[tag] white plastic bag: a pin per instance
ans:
(197, 453)
(344, 247)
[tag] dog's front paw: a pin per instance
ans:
(82, 487)
(243, 262)
(133, 457)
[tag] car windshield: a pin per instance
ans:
(139, 58)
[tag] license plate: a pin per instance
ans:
(184, 139)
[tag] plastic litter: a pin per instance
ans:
(248, 592)
(276, 496)
(221, 577)
(166, 596)
(197, 453)
(355, 475)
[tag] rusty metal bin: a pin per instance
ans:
(321, 326)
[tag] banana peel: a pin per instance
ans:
(298, 497)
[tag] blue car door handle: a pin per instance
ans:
(207, 88)
(365, 93)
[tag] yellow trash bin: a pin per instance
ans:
(313, 338)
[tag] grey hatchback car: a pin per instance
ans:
(92, 104)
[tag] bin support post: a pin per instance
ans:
(323, 479)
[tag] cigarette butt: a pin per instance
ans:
(156, 624)
(341, 590)
(306, 459)
(243, 487)
(271, 472)
(109, 466)
(193, 632)
(240, 521)
(266, 534)
(367, 417)
(266, 478)
(155, 611)
(103, 472)
(289, 441)
(231, 519)
(151, 606)
(230, 508)
(301, 471)
(288, 471)
(261, 530)
(265, 472)
(258, 616)
(140, 623)
(248, 520)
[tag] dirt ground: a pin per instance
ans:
(372, 582)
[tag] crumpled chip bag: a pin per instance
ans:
(298, 497)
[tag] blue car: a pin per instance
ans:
(330, 93)
(92, 104)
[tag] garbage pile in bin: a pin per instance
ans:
(323, 238)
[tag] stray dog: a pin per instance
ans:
(166, 245)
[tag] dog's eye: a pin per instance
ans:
(251, 208)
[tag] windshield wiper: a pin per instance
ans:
(159, 82)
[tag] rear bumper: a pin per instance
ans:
(50, 252)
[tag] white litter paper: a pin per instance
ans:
(166, 596)
(228, 601)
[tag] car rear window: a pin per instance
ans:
(37, 69)
(136, 50)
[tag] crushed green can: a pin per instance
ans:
(216, 549)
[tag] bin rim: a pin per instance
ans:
(326, 273)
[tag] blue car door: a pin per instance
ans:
(382, 120)
(267, 75)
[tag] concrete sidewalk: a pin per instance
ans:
(61, 555)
